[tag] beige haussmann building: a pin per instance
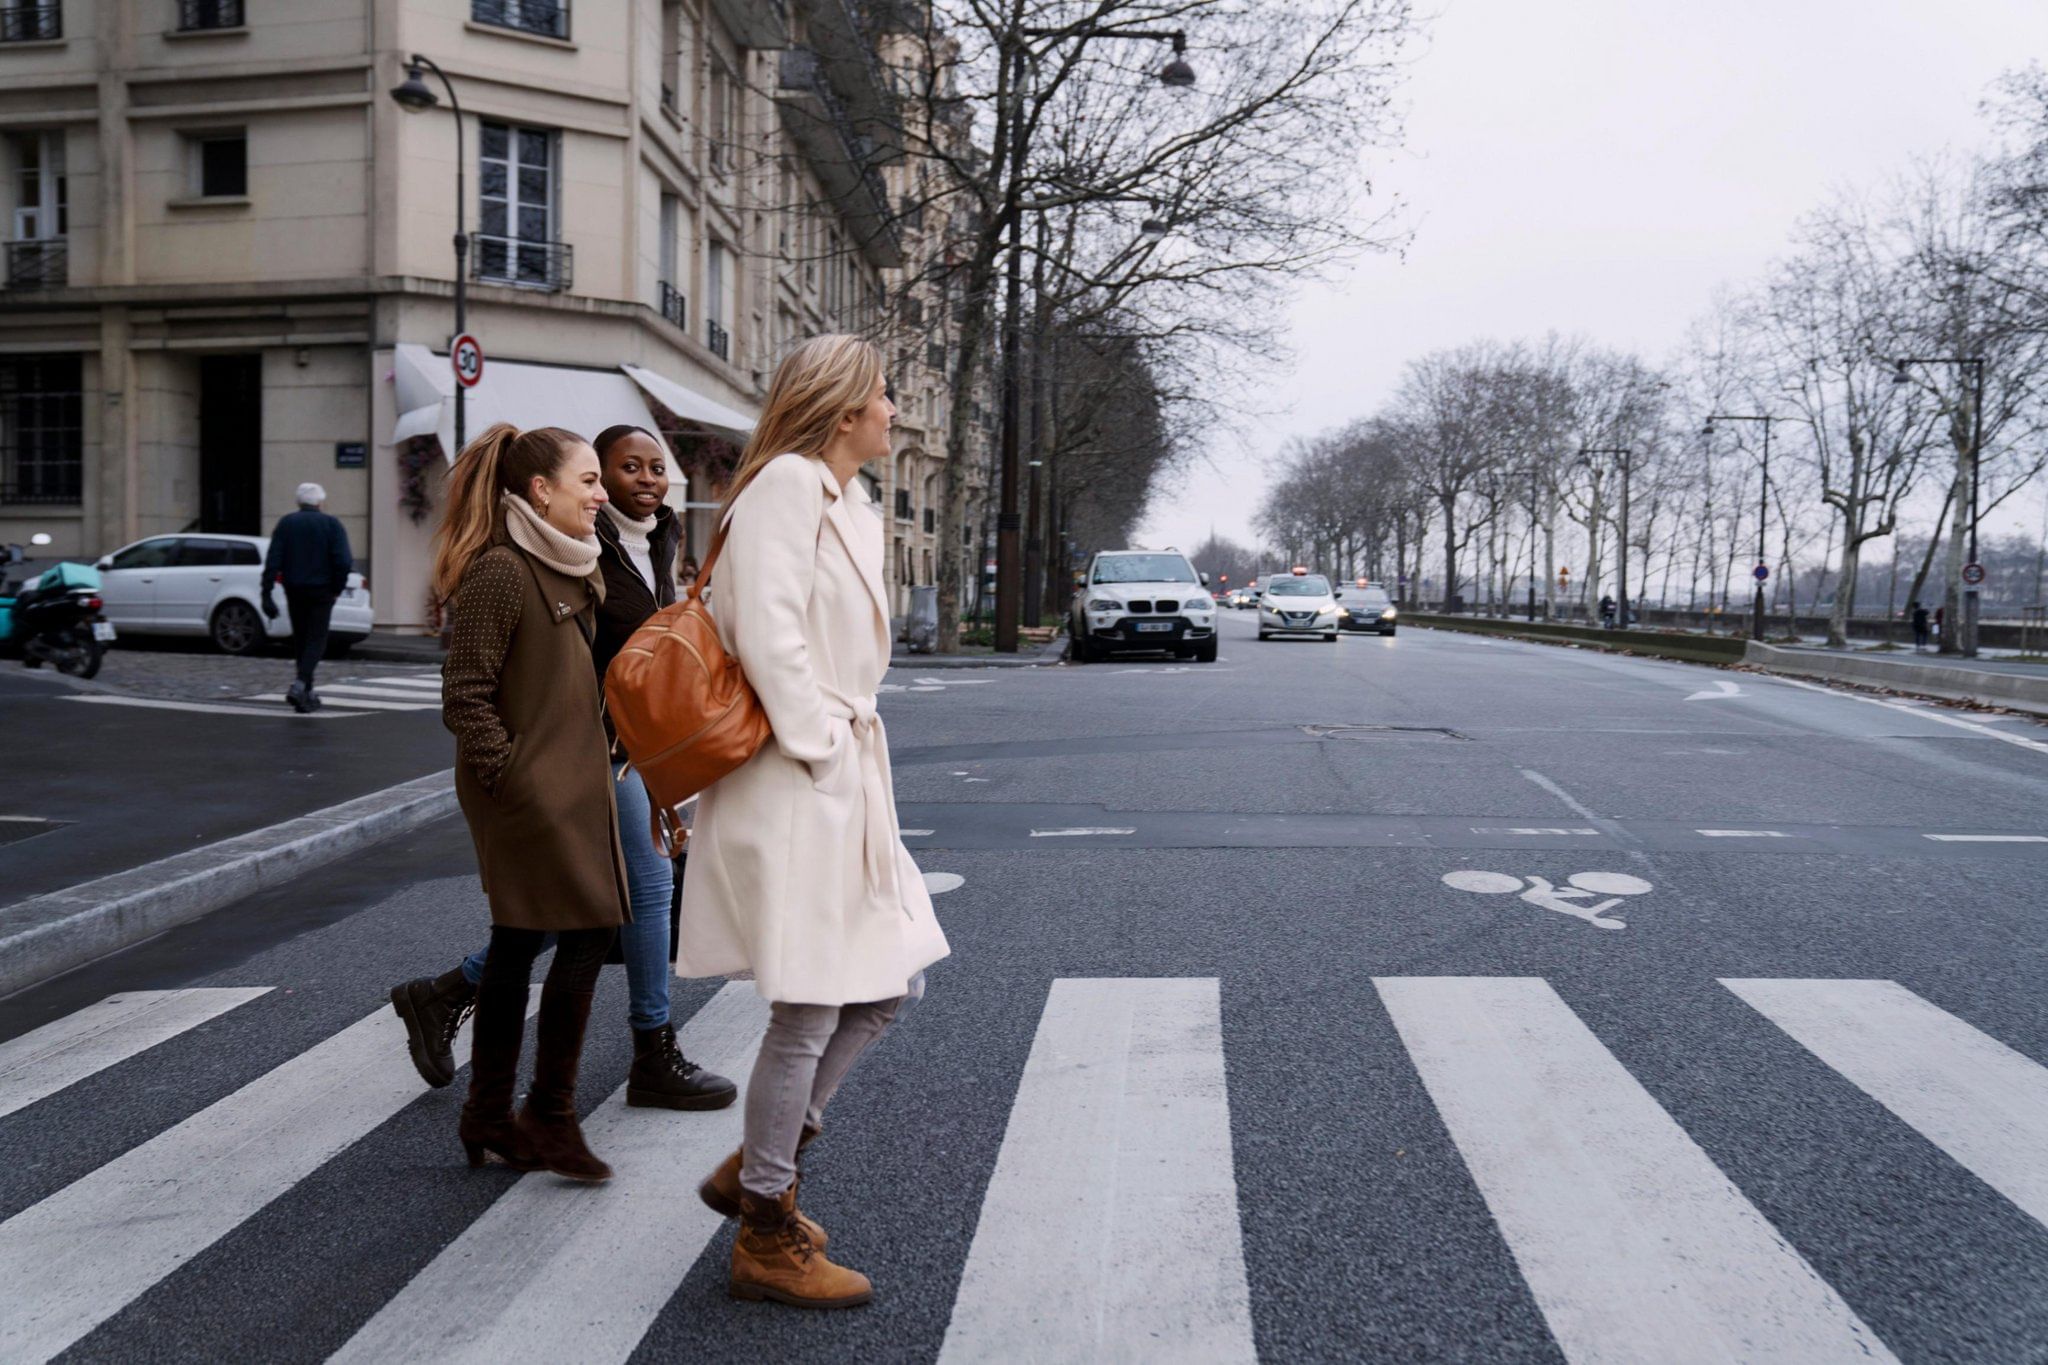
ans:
(230, 253)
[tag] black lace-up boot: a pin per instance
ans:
(663, 1078)
(433, 1008)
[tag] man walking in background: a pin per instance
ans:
(309, 555)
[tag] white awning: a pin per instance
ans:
(582, 401)
(693, 407)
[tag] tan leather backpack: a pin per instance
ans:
(681, 707)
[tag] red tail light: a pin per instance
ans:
(93, 604)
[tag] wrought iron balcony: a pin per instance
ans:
(549, 18)
(674, 306)
(39, 263)
(718, 339)
(518, 261)
(197, 16)
(31, 23)
(841, 155)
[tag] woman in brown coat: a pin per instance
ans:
(517, 557)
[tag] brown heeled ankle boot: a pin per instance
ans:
(487, 1127)
(774, 1258)
(721, 1189)
(548, 1119)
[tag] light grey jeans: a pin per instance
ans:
(805, 1055)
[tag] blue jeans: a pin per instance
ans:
(650, 882)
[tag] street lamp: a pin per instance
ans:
(1763, 508)
(1975, 364)
(1534, 473)
(415, 97)
(1176, 74)
(1621, 452)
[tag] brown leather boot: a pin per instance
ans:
(548, 1119)
(721, 1189)
(487, 1127)
(774, 1258)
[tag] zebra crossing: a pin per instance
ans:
(340, 700)
(1110, 1228)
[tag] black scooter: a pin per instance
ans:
(55, 620)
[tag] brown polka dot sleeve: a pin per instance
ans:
(487, 608)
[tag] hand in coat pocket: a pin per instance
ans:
(838, 772)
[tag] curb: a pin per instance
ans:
(1945, 682)
(46, 935)
(1687, 649)
(1049, 653)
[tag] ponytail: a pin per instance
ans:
(503, 459)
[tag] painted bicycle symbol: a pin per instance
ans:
(1574, 898)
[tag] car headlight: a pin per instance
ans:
(1203, 603)
(1104, 604)
(1387, 615)
(1343, 613)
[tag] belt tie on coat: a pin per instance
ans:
(871, 752)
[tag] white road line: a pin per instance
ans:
(1634, 1245)
(1110, 1228)
(1964, 1091)
(430, 682)
(373, 704)
(1743, 833)
(210, 708)
(40, 1063)
(24, 820)
(95, 1246)
(1924, 713)
(914, 833)
(1988, 838)
(352, 690)
(1530, 829)
(1071, 833)
(555, 1271)
(1571, 802)
(1722, 691)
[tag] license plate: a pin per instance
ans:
(102, 630)
(1155, 625)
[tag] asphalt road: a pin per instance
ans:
(1221, 1063)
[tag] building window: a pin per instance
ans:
(549, 18)
(36, 256)
(715, 335)
(671, 297)
(27, 21)
(220, 164)
(42, 430)
(722, 117)
(517, 196)
(199, 16)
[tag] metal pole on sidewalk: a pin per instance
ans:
(1009, 570)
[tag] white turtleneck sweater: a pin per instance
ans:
(633, 537)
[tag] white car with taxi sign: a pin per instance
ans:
(1298, 603)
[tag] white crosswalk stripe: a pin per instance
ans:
(1634, 1244)
(40, 1063)
(1117, 1153)
(1969, 1094)
(74, 1260)
(1110, 1229)
(539, 1277)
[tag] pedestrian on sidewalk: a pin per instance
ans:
(309, 555)
(637, 536)
(1941, 622)
(517, 558)
(1919, 626)
(798, 871)
(1607, 612)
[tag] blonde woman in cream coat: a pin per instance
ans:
(798, 872)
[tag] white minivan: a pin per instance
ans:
(212, 585)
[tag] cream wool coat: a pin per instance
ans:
(797, 868)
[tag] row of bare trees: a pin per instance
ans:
(1504, 473)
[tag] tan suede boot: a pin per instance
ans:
(721, 1189)
(774, 1258)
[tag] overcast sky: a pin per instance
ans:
(1600, 167)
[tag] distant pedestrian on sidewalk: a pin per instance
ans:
(1607, 612)
(517, 559)
(309, 555)
(637, 538)
(1919, 626)
(1941, 622)
(798, 872)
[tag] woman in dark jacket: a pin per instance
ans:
(517, 558)
(638, 536)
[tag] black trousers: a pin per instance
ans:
(579, 956)
(311, 609)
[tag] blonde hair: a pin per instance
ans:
(502, 460)
(816, 384)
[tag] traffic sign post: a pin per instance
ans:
(1761, 572)
(1973, 574)
(466, 358)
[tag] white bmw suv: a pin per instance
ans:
(1142, 600)
(1298, 603)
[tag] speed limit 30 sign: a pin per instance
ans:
(466, 356)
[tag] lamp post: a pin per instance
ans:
(1763, 507)
(1533, 513)
(1974, 364)
(414, 97)
(1622, 453)
(1176, 74)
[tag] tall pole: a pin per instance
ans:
(461, 236)
(1034, 544)
(1763, 510)
(1970, 590)
(1621, 617)
(1532, 542)
(1009, 575)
